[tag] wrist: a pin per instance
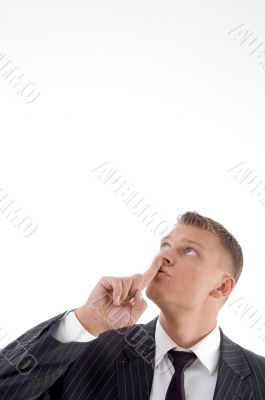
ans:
(88, 321)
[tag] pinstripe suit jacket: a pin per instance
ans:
(118, 365)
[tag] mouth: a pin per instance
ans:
(162, 272)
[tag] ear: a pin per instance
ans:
(225, 288)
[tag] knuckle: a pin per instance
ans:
(105, 277)
(138, 276)
(127, 280)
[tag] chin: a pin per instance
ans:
(152, 294)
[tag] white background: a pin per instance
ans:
(166, 96)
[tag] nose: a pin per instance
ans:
(167, 257)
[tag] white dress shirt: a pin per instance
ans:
(199, 378)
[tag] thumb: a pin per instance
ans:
(139, 304)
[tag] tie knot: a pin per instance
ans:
(181, 359)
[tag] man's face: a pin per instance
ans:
(194, 270)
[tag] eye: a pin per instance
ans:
(186, 248)
(163, 244)
(191, 248)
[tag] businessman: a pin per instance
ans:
(98, 351)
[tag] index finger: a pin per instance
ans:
(151, 272)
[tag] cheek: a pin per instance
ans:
(193, 278)
(185, 281)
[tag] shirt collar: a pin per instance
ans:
(207, 349)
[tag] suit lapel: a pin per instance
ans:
(232, 370)
(135, 374)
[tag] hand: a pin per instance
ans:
(116, 302)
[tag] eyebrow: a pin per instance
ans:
(184, 240)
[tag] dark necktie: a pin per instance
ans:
(181, 360)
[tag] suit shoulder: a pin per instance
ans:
(252, 357)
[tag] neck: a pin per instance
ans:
(186, 329)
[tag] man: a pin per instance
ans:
(97, 351)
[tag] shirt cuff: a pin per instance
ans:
(70, 329)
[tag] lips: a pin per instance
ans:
(164, 271)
